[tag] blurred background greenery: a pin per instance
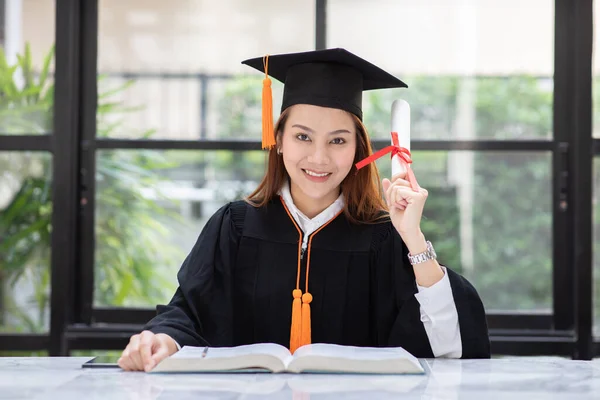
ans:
(489, 213)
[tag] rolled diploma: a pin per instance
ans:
(400, 124)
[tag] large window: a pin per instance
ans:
(156, 124)
(184, 60)
(467, 82)
(166, 76)
(150, 207)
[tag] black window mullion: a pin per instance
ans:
(321, 25)
(26, 143)
(65, 178)
(87, 190)
(581, 107)
(563, 294)
(595, 146)
(572, 112)
(21, 342)
(517, 321)
(239, 145)
(2, 21)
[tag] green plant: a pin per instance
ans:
(25, 221)
(26, 109)
(134, 261)
(130, 229)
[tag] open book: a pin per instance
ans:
(314, 358)
(278, 386)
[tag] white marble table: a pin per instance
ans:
(509, 378)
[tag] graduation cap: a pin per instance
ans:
(332, 78)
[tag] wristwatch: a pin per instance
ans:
(427, 255)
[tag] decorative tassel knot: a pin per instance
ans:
(268, 134)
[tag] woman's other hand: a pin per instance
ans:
(146, 350)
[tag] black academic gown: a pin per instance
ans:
(235, 286)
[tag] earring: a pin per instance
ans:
(278, 151)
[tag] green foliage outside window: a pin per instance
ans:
(129, 232)
(512, 219)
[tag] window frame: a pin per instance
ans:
(76, 324)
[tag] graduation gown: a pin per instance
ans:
(235, 286)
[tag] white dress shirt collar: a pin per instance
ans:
(309, 225)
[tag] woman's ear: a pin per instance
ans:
(278, 142)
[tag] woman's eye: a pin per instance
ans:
(338, 141)
(302, 136)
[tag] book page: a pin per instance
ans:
(248, 358)
(350, 359)
(271, 349)
(354, 353)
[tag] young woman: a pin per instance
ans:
(315, 254)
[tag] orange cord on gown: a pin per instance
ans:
(300, 332)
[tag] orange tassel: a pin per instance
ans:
(268, 135)
(306, 332)
(296, 329)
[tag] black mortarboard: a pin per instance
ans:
(329, 78)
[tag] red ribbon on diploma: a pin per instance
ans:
(402, 152)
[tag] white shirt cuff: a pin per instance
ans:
(436, 297)
(440, 318)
